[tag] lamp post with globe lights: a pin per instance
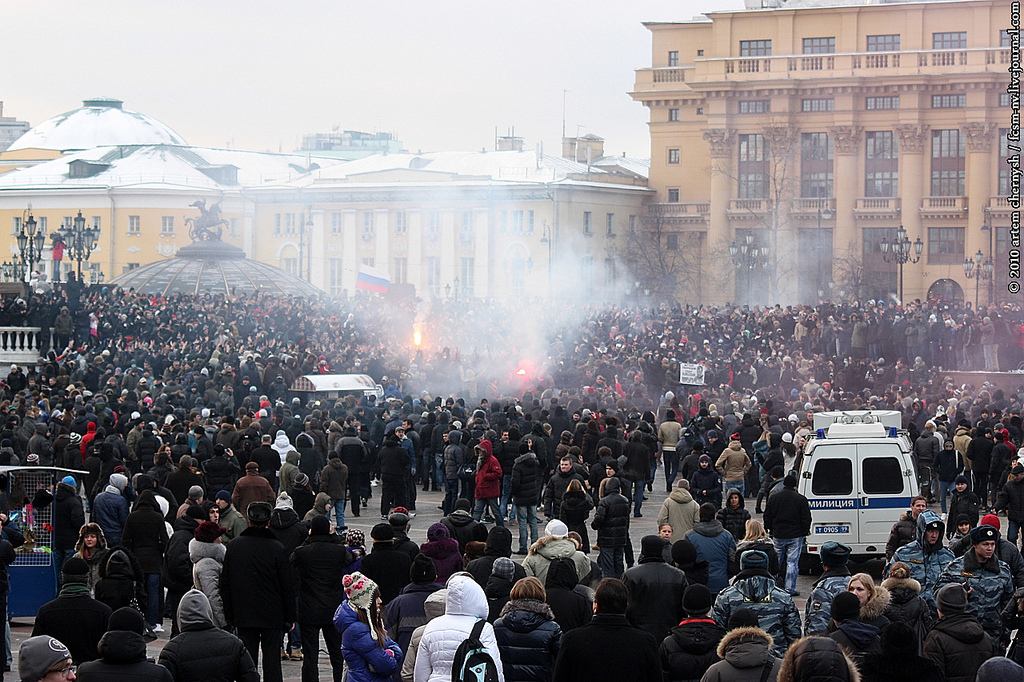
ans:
(748, 256)
(899, 251)
(79, 241)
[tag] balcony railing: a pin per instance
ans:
(943, 204)
(878, 204)
(675, 210)
(850, 64)
(663, 77)
(811, 205)
(748, 205)
(21, 345)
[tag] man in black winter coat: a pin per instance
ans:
(525, 489)
(68, 519)
(319, 564)
(655, 590)
(177, 569)
(259, 597)
(609, 648)
(692, 646)
(556, 486)
(74, 617)
(611, 521)
(572, 608)
(788, 518)
(1011, 498)
(499, 544)
(354, 455)
(122, 651)
(394, 461)
(204, 651)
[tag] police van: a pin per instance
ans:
(859, 475)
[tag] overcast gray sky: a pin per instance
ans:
(258, 74)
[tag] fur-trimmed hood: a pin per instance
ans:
(530, 606)
(893, 584)
(550, 547)
(817, 659)
(746, 647)
(877, 606)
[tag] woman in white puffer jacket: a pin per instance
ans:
(464, 606)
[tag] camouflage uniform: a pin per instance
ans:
(989, 587)
(776, 612)
(926, 563)
(817, 613)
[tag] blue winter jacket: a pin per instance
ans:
(717, 546)
(110, 511)
(367, 662)
(926, 563)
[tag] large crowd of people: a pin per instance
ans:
(216, 498)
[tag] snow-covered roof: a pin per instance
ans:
(100, 122)
(158, 166)
(504, 166)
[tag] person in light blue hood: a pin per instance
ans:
(925, 555)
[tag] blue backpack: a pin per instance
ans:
(473, 663)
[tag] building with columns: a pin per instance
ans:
(491, 224)
(819, 128)
(502, 224)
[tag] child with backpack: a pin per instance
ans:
(371, 656)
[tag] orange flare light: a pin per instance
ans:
(417, 338)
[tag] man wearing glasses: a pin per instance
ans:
(45, 659)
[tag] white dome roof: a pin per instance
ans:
(100, 122)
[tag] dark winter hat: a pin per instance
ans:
(743, 618)
(197, 512)
(1018, 468)
(961, 479)
(697, 600)
(382, 532)
(423, 569)
(438, 531)
(996, 669)
(834, 554)
(845, 606)
(38, 654)
(704, 458)
(463, 504)
(252, 466)
(75, 569)
(259, 512)
(301, 480)
(223, 495)
(899, 638)
(789, 481)
(951, 599)
(398, 520)
(127, 618)
(713, 434)
(208, 531)
(753, 558)
(320, 525)
(652, 545)
(503, 568)
(962, 518)
(684, 553)
(983, 533)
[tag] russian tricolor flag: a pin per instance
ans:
(372, 279)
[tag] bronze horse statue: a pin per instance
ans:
(207, 227)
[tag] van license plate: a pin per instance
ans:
(833, 529)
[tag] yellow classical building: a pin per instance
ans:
(790, 143)
(492, 224)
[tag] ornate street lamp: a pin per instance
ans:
(747, 256)
(79, 241)
(898, 251)
(30, 245)
(978, 270)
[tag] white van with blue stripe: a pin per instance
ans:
(858, 475)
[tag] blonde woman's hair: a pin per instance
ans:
(575, 484)
(867, 581)
(755, 531)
